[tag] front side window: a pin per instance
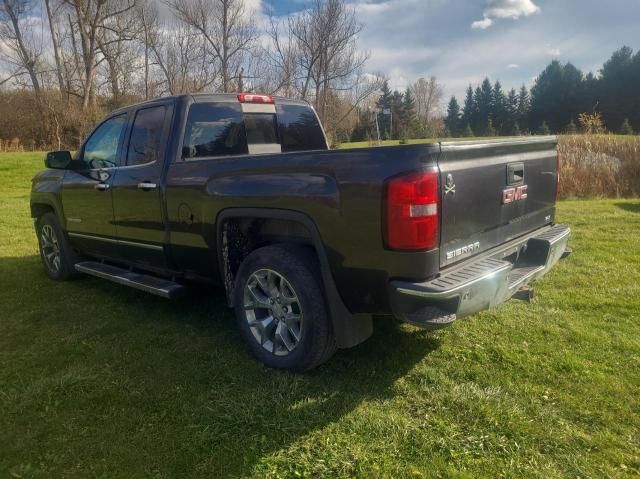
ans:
(101, 149)
(214, 129)
(299, 128)
(145, 142)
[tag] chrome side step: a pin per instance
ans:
(150, 284)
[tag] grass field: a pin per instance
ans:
(97, 380)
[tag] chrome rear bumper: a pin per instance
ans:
(479, 283)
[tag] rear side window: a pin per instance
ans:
(299, 128)
(146, 136)
(214, 129)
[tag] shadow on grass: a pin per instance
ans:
(631, 207)
(148, 385)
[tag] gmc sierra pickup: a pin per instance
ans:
(241, 191)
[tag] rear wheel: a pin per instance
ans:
(56, 253)
(281, 310)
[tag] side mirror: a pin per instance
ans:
(59, 160)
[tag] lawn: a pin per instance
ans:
(97, 380)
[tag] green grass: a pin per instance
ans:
(97, 380)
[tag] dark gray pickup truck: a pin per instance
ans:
(241, 191)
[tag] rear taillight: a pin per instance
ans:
(412, 211)
(253, 98)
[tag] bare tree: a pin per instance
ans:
(326, 52)
(148, 14)
(55, 42)
(88, 21)
(180, 54)
(16, 35)
(118, 45)
(227, 28)
(428, 95)
(280, 60)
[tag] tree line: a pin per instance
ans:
(412, 113)
(562, 100)
(64, 63)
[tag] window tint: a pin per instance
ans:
(146, 136)
(299, 128)
(101, 149)
(261, 128)
(214, 130)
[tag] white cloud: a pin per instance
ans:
(554, 52)
(482, 24)
(511, 66)
(513, 9)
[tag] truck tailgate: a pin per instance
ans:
(494, 191)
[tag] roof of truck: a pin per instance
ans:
(205, 97)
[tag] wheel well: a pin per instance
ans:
(38, 209)
(241, 236)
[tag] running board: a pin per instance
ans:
(150, 284)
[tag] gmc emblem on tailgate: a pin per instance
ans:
(514, 194)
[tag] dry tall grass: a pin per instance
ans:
(599, 166)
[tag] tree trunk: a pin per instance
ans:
(56, 46)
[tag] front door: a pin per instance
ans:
(136, 189)
(86, 191)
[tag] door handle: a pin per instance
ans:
(101, 186)
(147, 185)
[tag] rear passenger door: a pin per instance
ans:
(136, 189)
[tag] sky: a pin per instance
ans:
(462, 41)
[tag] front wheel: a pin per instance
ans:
(280, 308)
(56, 253)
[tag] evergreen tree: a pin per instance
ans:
(409, 113)
(556, 95)
(626, 128)
(384, 103)
(384, 100)
(618, 89)
(485, 107)
(476, 116)
(511, 112)
(571, 128)
(543, 129)
(498, 109)
(469, 107)
(453, 117)
(397, 110)
(468, 132)
(523, 106)
(490, 130)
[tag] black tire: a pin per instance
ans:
(299, 269)
(51, 239)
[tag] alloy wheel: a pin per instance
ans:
(50, 248)
(273, 311)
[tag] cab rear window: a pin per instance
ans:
(214, 129)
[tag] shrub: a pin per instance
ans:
(591, 123)
(626, 129)
(599, 166)
(543, 129)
